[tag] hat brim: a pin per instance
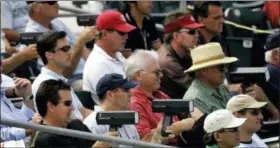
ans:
(194, 26)
(257, 105)
(225, 60)
(128, 85)
(124, 27)
(236, 122)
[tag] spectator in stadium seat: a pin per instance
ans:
(14, 17)
(9, 111)
(55, 51)
(43, 18)
(222, 129)
(54, 103)
(106, 57)
(142, 66)
(244, 106)
(174, 55)
(145, 36)
(272, 88)
(114, 93)
(272, 12)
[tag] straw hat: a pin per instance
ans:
(208, 55)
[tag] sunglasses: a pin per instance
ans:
(49, 2)
(189, 31)
(66, 103)
(223, 68)
(232, 130)
(65, 48)
(119, 32)
(254, 112)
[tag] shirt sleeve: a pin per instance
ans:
(12, 133)
(27, 111)
(143, 127)
(6, 15)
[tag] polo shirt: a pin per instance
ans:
(142, 38)
(207, 99)
(255, 142)
(14, 15)
(57, 25)
(174, 81)
(98, 64)
(47, 74)
(125, 131)
(141, 103)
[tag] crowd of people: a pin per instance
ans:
(129, 67)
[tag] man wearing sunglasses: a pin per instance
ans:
(244, 106)
(174, 55)
(43, 18)
(54, 103)
(55, 52)
(106, 57)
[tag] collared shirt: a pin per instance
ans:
(141, 103)
(8, 111)
(141, 38)
(207, 99)
(47, 74)
(57, 25)
(255, 142)
(14, 15)
(125, 131)
(98, 64)
(174, 81)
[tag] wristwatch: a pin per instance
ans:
(28, 98)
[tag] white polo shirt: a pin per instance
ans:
(125, 132)
(256, 142)
(57, 25)
(98, 64)
(47, 74)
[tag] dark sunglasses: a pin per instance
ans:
(49, 2)
(223, 68)
(190, 31)
(65, 48)
(119, 32)
(67, 102)
(254, 112)
(232, 130)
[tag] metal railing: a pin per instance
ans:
(79, 134)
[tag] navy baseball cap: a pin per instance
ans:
(113, 81)
(272, 41)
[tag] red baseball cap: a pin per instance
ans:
(185, 22)
(113, 20)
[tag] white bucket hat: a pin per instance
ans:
(208, 55)
(221, 119)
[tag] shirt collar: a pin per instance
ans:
(46, 71)
(131, 20)
(206, 88)
(35, 25)
(139, 95)
(99, 50)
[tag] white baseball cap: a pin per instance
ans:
(240, 102)
(221, 119)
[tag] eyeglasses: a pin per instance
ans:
(119, 32)
(232, 130)
(157, 72)
(65, 48)
(223, 68)
(189, 31)
(49, 2)
(66, 103)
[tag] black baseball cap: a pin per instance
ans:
(112, 81)
(272, 41)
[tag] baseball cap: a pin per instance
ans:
(221, 119)
(240, 102)
(112, 81)
(113, 20)
(272, 41)
(185, 22)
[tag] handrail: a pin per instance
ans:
(78, 134)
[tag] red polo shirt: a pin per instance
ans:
(142, 103)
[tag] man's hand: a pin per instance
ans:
(256, 92)
(157, 138)
(234, 88)
(181, 126)
(88, 34)
(36, 119)
(30, 52)
(103, 143)
(23, 87)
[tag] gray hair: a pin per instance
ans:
(139, 60)
(268, 55)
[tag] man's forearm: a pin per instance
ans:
(11, 35)
(12, 62)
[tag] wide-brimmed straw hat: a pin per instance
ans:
(208, 55)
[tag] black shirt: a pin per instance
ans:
(141, 38)
(52, 140)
